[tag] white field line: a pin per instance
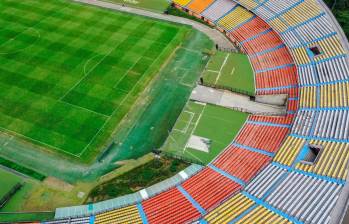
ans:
(185, 129)
(83, 108)
(220, 70)
(26, 47)
(117, 83)
(190, 120)
(40, 142)
(232, 71)
(122, 102)
(195, 156)
(194, 128)
(212, 71)
(86, 74)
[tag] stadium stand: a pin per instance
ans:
(170, 207)
(288, 169)
(209, 187)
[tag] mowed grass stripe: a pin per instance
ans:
(69, 72)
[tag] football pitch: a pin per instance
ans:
(70, 72)
(199, 120)
(232, 70)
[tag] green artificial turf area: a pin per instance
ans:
(154, 5)
(70, 72)
(230, 70)
(218, 124)
(7, 182)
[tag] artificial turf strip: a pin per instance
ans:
(70, 72)
(232, 70)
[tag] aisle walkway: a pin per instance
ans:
(234, 101)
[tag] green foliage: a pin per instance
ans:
(139, 178)
(340, 9)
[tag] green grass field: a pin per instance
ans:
(218, 124)
(230, 70)
(154, 5)
(10, 181)
(70, 72)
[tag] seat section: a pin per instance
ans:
(267, 138)
(241, 163)
(209, 188)
(170, 207)
(125, 215)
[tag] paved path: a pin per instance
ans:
(234, 101)
(216, 36)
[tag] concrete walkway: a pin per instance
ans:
(234, 101)
(216, 36)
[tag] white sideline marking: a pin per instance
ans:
(232, 71)
(220, 70)
(83, 108)
(26, 47)
(86, 74)
(34, 140)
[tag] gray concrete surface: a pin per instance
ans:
(277, 99)
(234, 101)
(216, 36)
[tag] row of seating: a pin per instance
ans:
(209, 188)
(264, 137)
(334, 95)
(127, 214)
(314, 70)
(273, 119)
(333, 124)
(241, 163)
(170, 207)
(304, 197)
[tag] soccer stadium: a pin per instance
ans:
(174, 111)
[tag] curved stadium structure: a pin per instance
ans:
(290, 169)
